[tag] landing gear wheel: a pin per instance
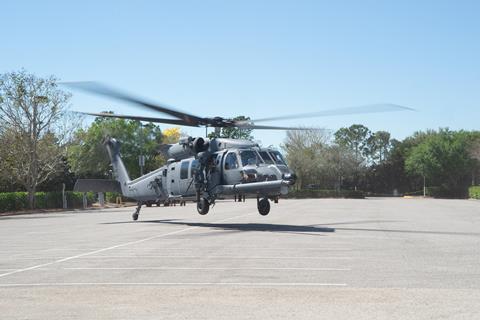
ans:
(137, 212)
(203, 206)
(263, 206)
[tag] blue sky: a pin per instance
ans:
(256, 58)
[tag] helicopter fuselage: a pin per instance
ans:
(223, 167)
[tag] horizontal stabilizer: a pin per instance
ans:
(97, 185)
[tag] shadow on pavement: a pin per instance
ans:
(265, 227)
(316, 229)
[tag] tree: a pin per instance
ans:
(339, 164)
(443, 159)
(34, 128)
(316, 161)
(234, 133)
(356, 138)
(87, 155)
(171, 135)
(378, 145)
(303, 150)
(474, 152)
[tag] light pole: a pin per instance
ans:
(141, 163)
(424, 187)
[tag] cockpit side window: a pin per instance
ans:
(231, 161)
(266, 158)
(277, 156)
(184, 169)
(249, 157)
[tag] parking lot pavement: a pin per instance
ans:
(362, 259)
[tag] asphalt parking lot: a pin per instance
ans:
(344, 259)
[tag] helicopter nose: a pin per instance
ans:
(290, 177)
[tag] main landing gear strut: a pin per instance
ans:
(137, 212)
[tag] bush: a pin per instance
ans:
(16, 201)
(112, 196)
(474, 192)
(307, 193)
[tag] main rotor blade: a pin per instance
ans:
(149, 119)
(372, 108)
(100, 89)
(254, 126)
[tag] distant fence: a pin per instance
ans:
(17, 201)
(309, 193)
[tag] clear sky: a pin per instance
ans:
(259, 58)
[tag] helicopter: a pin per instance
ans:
(204, 170)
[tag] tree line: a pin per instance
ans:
(446, 162)
(43, 145)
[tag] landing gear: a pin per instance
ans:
(263, 206)
(240, 198)
(203, 206)
(137, 212)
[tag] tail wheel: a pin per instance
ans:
(203, 206)
(263, 206)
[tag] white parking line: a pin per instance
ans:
(112, 247)
(216, 257)
(207, 268)
(247, 284)
(185, 248)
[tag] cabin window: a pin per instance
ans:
(231, 161)
(266, 158)
(195, 167)
(249, 157)
(277, 156)
(184, 169)
(219, 159)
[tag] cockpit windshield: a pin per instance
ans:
(249, 157)
(266, 158)
(277, 156)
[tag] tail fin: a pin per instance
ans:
(121, 174)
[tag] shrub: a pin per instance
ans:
(16, 201)
(112, 196)
(474, 192)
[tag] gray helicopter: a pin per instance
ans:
(204, 170)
